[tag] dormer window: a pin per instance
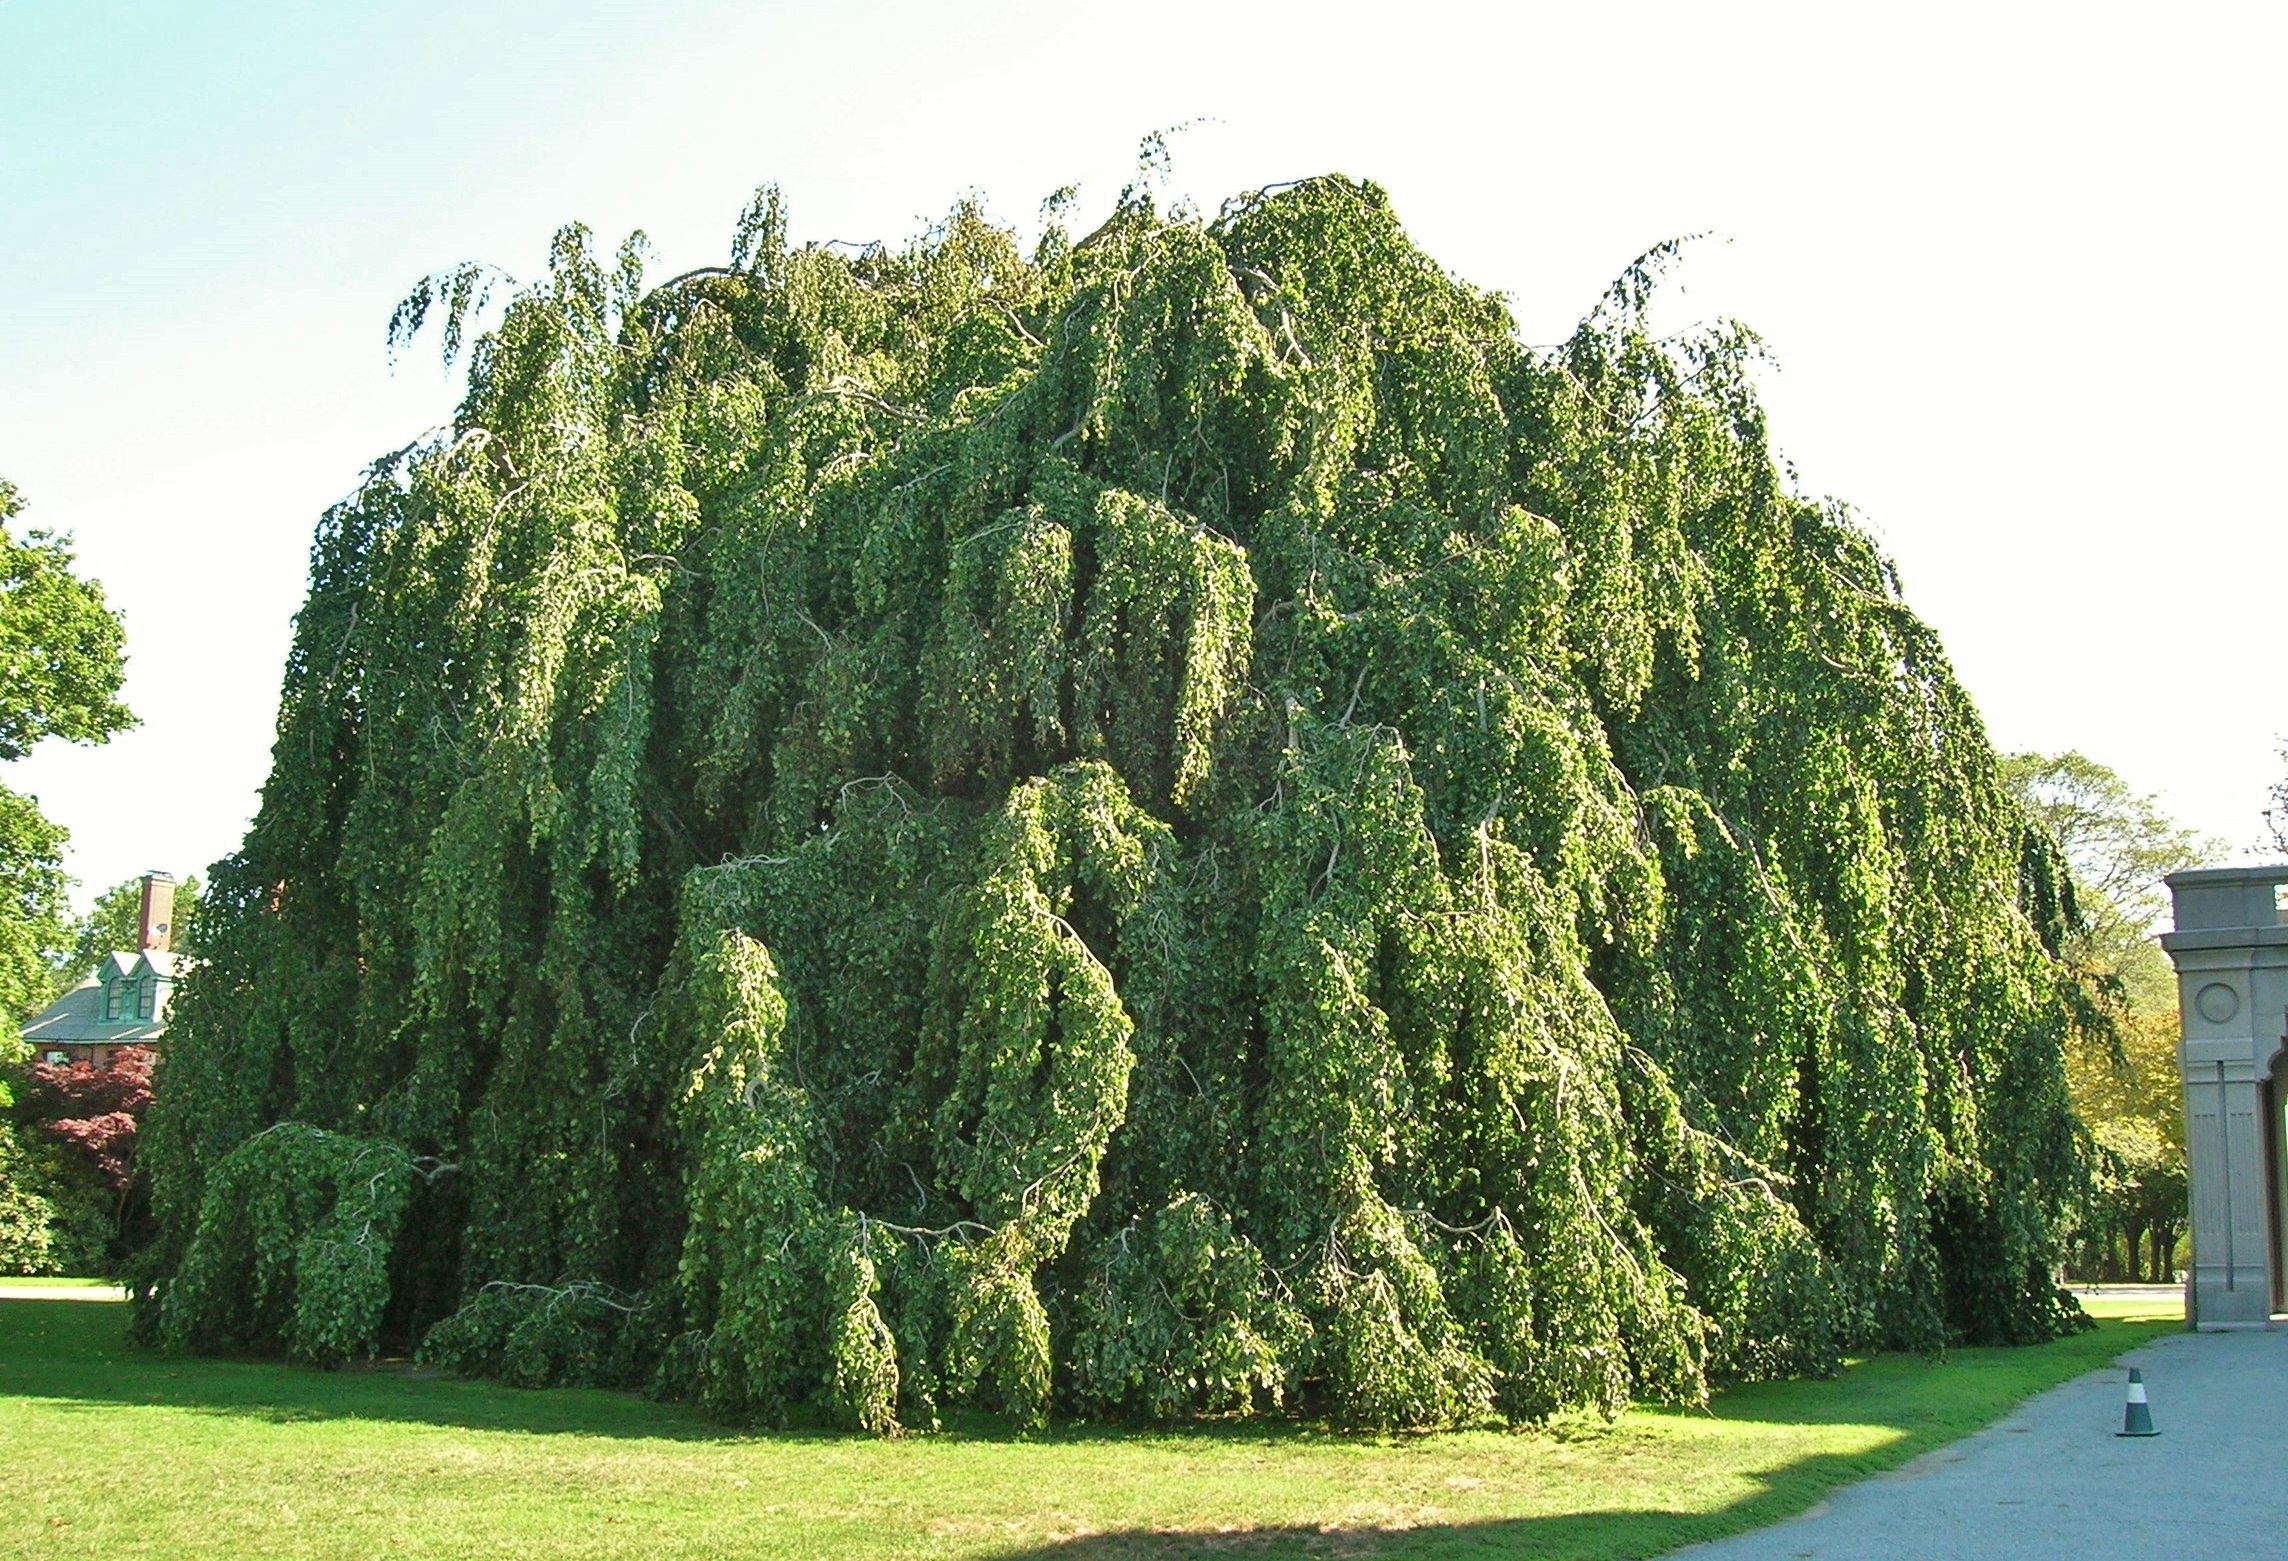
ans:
(131, 990)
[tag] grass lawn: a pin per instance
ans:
(114, 1452)
(49, 1282)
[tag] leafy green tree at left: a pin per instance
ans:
(60, 663)
(60, 669)
(32, 909)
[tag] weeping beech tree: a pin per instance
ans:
(1173, 826)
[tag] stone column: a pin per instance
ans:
(2231, 953)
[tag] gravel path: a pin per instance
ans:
(2052, 1481)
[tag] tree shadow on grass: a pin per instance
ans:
(77, 1351)
(1925, 1402)
(1596, 1537)
(1611, 1535)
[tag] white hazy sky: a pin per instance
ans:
(2015, 262)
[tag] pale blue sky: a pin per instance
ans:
(2015, 262)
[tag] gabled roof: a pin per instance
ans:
(149, 962)
(76, 1018)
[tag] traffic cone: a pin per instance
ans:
(2137, 1418)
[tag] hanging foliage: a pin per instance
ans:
(1176, 825)
(292, 1246)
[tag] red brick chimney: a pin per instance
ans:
(158, 912)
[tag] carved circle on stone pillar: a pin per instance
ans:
(2217, 1002)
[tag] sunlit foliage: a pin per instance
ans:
(60, 670)
(2121, 1072)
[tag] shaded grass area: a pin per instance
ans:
(123, 1453)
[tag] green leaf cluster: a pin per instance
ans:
(60, 646)
(2118, 845)
(1172, 824)
(61, 666)
(292, 1247)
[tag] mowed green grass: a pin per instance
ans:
(116, 1452)
(61, 1286)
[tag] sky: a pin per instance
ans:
(2015, 265)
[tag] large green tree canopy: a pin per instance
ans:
(1171, 825)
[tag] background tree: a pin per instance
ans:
(2125, 1087)
(114, 922)
(34, 910)
(91, 1118)
(27, 1211)
(60, 671)
(2120, 845)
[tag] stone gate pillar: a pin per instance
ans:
(2231, 953)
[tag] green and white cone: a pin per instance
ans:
(2137, 1418)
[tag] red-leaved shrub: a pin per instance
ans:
(95, 1113)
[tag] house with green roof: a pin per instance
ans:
(124, 1003)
